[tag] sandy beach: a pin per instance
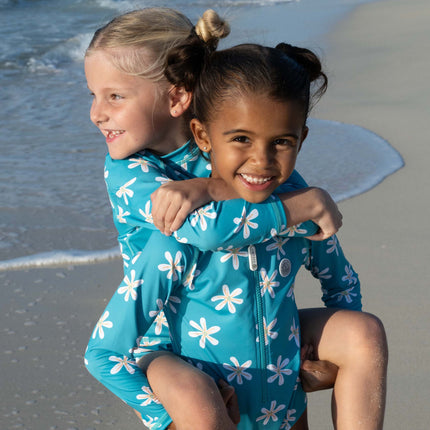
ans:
(377, 60)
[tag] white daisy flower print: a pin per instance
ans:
(143, 344)
(163, 179)
(280, 370)
(288, 419)
(245, 222)
(147, 215)
(268, 284)
(234, 254)
(295, 333)
(350, 276)
(130, 285)
(148, 397)
(293, 230)
(270, 414)
(278, 244)
(136, 162)
(124, 192)
(228, 299)
(201, 214)
(238, 371)
(102, 323)
(173, 265)
(122, 362)
(190, 277)
(332, 244)
(268, 331)
(204, 333)
(346, 294)
(160, 318)
(121, 214)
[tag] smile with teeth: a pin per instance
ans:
(257, 180)
(114, 133)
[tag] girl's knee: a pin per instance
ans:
(368, 337)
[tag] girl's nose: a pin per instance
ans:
(98, 114)
(263, 156)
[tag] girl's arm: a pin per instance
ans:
(339, 282)
(131, 182)
(110, 356)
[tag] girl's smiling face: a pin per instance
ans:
(132, 112)
(253, 143)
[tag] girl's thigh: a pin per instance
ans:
(336, 333)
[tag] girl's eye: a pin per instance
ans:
(116, 97)
(241, 139)
(285, 142)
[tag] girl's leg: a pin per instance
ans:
(190, 396)
(356, 343)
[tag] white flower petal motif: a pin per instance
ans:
(147, 215)
(122, 362)
(238, 370)
(204, 333)
(332, 244)
(201, 214)
(345, 294)
(160, 319)
(245, 222)
(288, 419)
(102, 323)
(130, 285)
(124, 192)
(228, 299)
(234, 254)
(173, 266)
(193, 273)
(280, 370)
(278, 243)
(269, 414)
(148, 397)
(163, 179)
(268, 331)
(121, 214)
(295, 333)
(268, 284)
(350, 276)
(136, 162)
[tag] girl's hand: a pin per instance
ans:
(175, 200)
(229, 397)
(312, 204)
(315, 375)
(327, 216)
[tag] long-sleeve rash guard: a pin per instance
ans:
(230, 312)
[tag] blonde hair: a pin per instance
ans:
(138, 42)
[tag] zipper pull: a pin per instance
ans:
(252, 257)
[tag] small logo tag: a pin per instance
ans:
(285, 267)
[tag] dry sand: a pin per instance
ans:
(378, 60)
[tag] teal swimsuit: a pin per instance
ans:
(228, 305)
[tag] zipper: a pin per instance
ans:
(253, 265)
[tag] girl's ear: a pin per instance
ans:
(201, 136)
(303, 137)
(179, 100)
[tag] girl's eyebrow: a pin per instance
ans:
(240, 130)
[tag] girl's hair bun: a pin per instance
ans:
(211, 28)
(309, 61)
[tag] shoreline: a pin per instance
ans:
(48, 313)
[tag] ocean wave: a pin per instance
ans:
(127, 5)
(59, 258)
